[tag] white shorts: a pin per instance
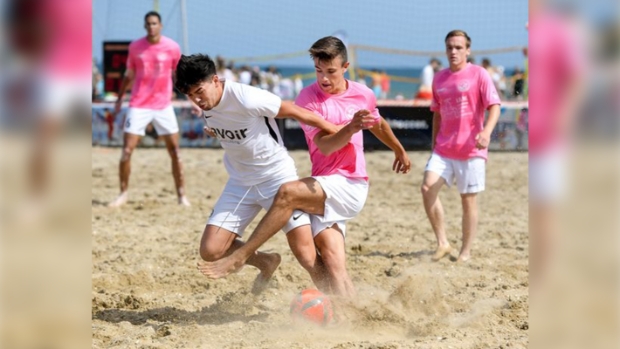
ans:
(548, 175)
(469, 174)
(239, 204)
(345, 199)
(164, 121)
(60, 95)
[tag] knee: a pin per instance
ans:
(211, 253)
(126, 154)
(425, 189)
(307, 259)
(286, 193)
(333, 260)
(174, 152)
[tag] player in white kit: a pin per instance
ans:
(243, 119)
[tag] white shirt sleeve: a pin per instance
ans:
(264, 102)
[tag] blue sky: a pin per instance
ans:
(234, 28)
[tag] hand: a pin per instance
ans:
(482, 140)
(401, 162)
(362, 120)
(118, 105)
(209, 131)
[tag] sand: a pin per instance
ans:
(147, 293)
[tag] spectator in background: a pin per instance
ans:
(299, 84)
(245, 76)
(494, 73)
(525, 74)
(385, 85)
(376, 83)
(517, 81)
(426, 79)
(256, 80)
(224, 71)
(361, 79)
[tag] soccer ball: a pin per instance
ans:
(312, 305)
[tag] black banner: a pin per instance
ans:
(411, 125)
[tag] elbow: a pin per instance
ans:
(324, 150)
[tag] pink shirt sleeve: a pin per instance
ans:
(130, 62)
(176, 57)
(487, 90)
(435, 100)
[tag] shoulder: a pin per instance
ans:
(442, 73)
(137, 43)
(170, 42)
(360, 88)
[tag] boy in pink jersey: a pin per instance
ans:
(461, 95)
(338, 188)
(150, 67)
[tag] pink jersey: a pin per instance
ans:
(556, 55)
(462, 99)
(338, 109)
(153, 65)
(69, 54)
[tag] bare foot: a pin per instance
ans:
(463, 258)
(119, 201)
(183, 201)
(441, 252)
(222, 267)
(262, 279)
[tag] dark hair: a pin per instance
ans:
(152, 14)
(193, 70)
(458, 32)
(328, 48)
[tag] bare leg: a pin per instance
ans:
(470, 225)
(216, 243)
(331, 245)
(45, 134)
(172, 144)
(130, 141)
(302, 245)
(305, 194)
(434, 210)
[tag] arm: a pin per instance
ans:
(484, 138)
(128, 80)
(289, 109)
(436, 124)
(329, 143)
(386, 136)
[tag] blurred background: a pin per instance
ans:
(53, 68)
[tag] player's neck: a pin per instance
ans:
(153, 39)
(340, 89)
(458, 68)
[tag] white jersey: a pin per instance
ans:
(244, 123)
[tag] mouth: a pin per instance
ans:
(326, 86)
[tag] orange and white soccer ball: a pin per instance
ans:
(312, 305)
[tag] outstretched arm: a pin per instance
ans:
(289, 109)
(386, 136)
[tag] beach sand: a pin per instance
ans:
(147, 293)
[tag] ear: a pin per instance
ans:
(345, 65)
